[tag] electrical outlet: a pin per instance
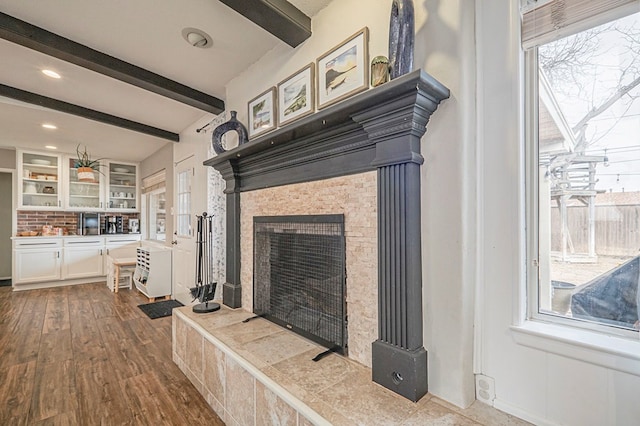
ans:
(485, 389)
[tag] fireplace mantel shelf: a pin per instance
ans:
(339, 140)
(381, 130)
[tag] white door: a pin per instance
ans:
(184, 242)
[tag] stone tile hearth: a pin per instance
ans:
(258, 373)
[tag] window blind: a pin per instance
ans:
(155, 181)
(555, 19)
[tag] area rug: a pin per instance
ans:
(159, 309)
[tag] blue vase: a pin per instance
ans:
(401, 38)
(232, 124)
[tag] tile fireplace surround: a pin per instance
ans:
(258, 373)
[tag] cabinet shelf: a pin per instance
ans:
(40, 166)
(37, 194)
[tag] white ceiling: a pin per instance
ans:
(145, 33)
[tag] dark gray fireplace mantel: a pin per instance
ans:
(379, 129)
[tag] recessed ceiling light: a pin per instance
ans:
(50, 73)
(49, 126)
(197, 38)
(51, 147)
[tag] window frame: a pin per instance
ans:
(532, 212)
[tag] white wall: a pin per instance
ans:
(6, 223)
(551, 381)
(445, 49)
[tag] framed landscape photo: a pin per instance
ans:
(296, 95)
(344, 70)
(262, 113)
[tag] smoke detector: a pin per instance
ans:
(197, 38)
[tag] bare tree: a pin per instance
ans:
(574, 66)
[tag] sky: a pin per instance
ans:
(616, 132)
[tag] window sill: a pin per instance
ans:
(612, 352)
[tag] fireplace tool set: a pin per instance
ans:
(205, 287)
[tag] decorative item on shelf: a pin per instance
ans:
(262, 113)
(296, 95)
(344, 70)
(48, 190)
(48, 231)
(85, 166)
(30, 188)
(379, 70)
(401, 38)
(232, 124)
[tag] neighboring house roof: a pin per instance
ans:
(555, 136)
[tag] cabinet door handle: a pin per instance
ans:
(58, 253)
(59, 203)
(100, 252)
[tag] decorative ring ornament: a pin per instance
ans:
(232, 124)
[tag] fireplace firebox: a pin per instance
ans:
(299, 276)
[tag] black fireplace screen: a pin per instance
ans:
(299, 276)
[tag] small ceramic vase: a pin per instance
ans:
(379, 70)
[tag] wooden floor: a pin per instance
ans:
(81, 355)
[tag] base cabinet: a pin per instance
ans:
(83, 258)
(46, 262)
(37, 264)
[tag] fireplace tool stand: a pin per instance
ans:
(205, 287)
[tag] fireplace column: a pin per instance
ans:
(399, 360)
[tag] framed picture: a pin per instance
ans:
(262, 113)
(296, 95)
(344, 70)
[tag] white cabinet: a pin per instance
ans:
(45, 262)
(122, 245)
(83, 195)
(39, 184)
(122, 192)
(153, 271)
(83, 257)
(50, 182)
(37, 260)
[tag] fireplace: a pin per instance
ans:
(377, 131)
(299, 276)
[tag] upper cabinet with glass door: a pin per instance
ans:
(83, 194)
(122, 191)
(39, 183)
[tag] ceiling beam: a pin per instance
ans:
(55, 104)
(41, 40)
(279, 17)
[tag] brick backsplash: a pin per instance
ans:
(35, 220)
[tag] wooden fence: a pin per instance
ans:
(617, 229)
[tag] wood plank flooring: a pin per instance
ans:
(81, 355)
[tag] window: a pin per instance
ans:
(156, 214)
(183, 214)
(153, 206)
(584, 170)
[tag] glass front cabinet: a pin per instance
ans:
(39, 181)
(85, 195)
(50, 182)
(122, 192)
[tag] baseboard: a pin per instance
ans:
(520, 413)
